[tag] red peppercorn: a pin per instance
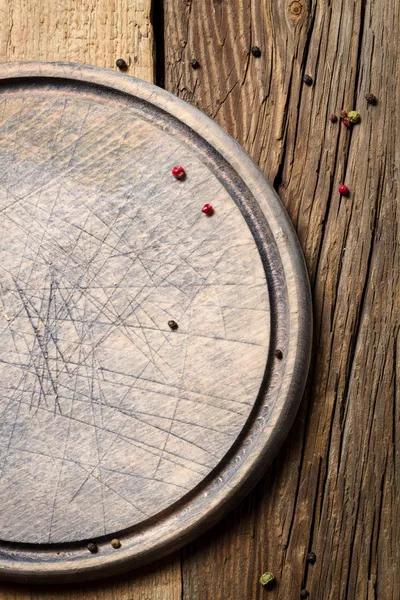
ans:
(347, 123)
(344, 190)
(207, 209)
(178, 172)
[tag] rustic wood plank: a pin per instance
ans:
(92, 32)
(334, 487)
(161, 581)
(96, 33)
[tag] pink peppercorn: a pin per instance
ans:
(344, 190)
(178, 172)
(207, 209)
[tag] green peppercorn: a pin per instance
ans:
(267, 579)
(354, 117)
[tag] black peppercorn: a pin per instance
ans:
(121, 64)
(256, 52)
(92, 547)
(371, 99)
(195, 63)
(304, 594)
(172, 324)
(279, 354)
(308, 80)
(311, 557)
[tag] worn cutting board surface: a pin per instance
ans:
(112, 423)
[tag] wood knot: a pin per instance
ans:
(296, 8)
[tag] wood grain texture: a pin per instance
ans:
(161, 581)
(92, 32)
(334, 489)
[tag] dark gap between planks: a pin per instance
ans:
(157, 20)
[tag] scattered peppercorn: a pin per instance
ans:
(308, 80)
(256, 52)
(354, 117)
(121, 64)
(195, 63)
(371, 99)
(344, 190)
(347, 123)
(267, 579)
(311, 558)
(207, 209)
(92, 547)
(279, 353)
(172, 324)
(304, 594)
(178, 172)
(333, 118)
(343, 114)
(115, 543)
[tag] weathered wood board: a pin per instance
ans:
(95, 32)
(335, 487)
(114, 424)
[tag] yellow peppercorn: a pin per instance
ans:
(354, 117)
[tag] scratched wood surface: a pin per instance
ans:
(115, 423)
(114, 415)
(334, 487)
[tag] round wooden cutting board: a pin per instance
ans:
(113, 423)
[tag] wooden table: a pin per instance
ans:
(333, 489)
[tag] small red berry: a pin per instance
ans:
(207, 209)
(344, 190)
(347, 123)
(178, 172)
